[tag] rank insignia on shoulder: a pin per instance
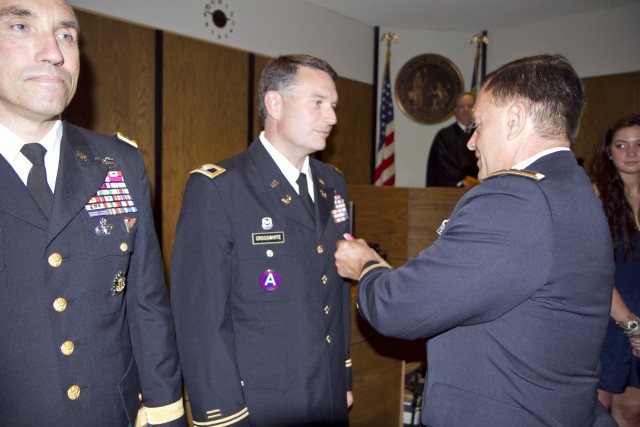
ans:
(123, 138)
(336, 169)
(518, 172)
(209, 170)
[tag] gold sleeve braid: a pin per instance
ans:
(371, 267)
(160, 414)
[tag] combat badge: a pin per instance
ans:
(267, 223)
(104, 229)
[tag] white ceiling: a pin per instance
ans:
(460, 15)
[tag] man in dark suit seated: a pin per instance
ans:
(451, 163)
(514, 295)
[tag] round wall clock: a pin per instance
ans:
(426, 88)
(218, 18)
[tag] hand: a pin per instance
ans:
(349, 399)
(469, 182)
(352, 255)
(635, 345)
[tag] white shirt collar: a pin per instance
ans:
(463, 127)
(287, 168)
(12, 143)
(526, 162)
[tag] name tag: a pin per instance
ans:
(267, 238)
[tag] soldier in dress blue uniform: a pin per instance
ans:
(262, 317)
(86, 322)
(514, 295)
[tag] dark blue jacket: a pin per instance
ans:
(514, 297)
(86, 321)
(262, 317)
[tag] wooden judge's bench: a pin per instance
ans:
(402, 221)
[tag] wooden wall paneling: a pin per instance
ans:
(116, 86)
(350, 145)
(608, 99)
(381, 216)
(204, 116)
(403, 221)
(378, 380)
(427, 209)
(259, 64)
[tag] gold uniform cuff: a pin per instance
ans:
(160, 414)
(371, 267)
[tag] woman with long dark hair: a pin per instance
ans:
(616, 173)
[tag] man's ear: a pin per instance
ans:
(517, 115)
(273, 104)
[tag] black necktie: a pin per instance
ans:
(304, 194)
(37, 179)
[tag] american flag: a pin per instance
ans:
(385, 172)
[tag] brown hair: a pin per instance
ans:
(281, 73)
(550, 87)
(616, 206)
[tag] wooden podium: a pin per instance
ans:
(402, 221)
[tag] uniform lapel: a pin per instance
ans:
(16, 200)
(79, 178)
(323, 199)
(276, 189)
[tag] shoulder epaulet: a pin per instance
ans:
(518, 172)
(209, 170)
(123, 138)
(336, 169)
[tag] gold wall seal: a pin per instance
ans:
(426, 88)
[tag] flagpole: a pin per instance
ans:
(374, 104)
(480, 40)
(485, 42)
